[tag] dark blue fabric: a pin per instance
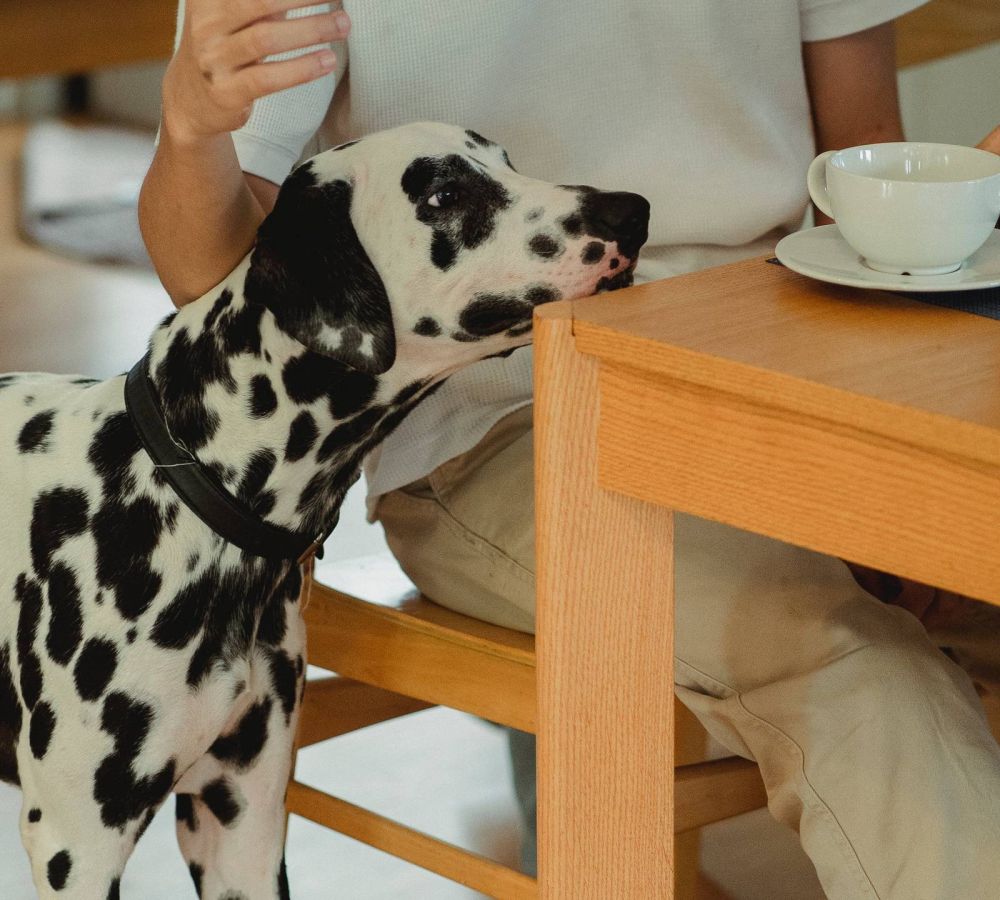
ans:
(985, 302)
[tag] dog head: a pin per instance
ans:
(423, 243)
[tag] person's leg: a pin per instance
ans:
(871, 742)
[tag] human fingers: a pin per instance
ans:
(217, 18)
(240, 88)
(270, 37)
(991, 142)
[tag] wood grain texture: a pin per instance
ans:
(427, 652)
(56, 37)
(605, 664)
(944, 27)
(334, 706)
(856, 423)
(471, 869)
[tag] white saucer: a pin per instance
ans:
(822, 253)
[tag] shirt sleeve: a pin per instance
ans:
(281, 124)
(826, 19)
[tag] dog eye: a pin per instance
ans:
(444, 198)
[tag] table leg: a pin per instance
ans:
(605, 650)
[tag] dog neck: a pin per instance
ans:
(283, 429)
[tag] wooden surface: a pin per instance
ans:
(427, 652)
(857, 423)
(42, 37)
(605, 650)
(478, 872)
(944, 27)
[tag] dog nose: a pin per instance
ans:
(617, 216)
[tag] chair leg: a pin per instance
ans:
(686, 846)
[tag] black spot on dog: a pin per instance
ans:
(187, 369)
(218, 797)
(95, 667)
(222, 303)
(613, 263)
(243, 745)
(592, 253)
(545, 246)
(263, 503)
(125, 535)
(427, 326)
(10, 720)
(443, 250)
(31, 679)
(263, 400)
(197, 873)
(66, 615)
(272, 626)
(34, 436)
(352, 393)
(131, 635)
(283, 892)
(540, 294)
(115, 889)
(284, 676)
(255, 475)
(309, 376)
(241, 331)
(7, 380)
(111, 453)
(184, 811)
(59, 868)
(43, 723)
(349, 433)
(34, 815)
(479, 139)
(302, 435)
(58, 514)
(573, 224)
(492, 313)
(122, 795)
(28, 594)
(179, 622)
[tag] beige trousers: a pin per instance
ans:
(872, 743)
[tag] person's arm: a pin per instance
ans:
(852, 90)
(198, 211)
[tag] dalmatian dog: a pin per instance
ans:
(143, 653)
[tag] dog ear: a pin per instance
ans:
(308, 267)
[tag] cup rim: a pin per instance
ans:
(975, 151)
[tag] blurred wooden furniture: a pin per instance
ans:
(397, 653)
(833, 418)
(69, 36)
(944, 27)
(61, 37)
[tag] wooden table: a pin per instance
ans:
(860, 424)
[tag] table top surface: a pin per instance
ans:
(871, 359)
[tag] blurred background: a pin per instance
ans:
(79, 104)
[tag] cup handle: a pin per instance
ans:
(816, 180)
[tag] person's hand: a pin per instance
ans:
(218, 69)
(991, 142)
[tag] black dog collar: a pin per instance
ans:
(199, 491)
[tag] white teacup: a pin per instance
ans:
(908, 207)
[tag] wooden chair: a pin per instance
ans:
(397, 653)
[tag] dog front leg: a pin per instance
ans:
(231, 803)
